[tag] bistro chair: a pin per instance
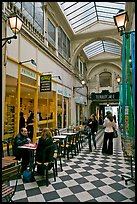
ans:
(6, 144)
(67, 146)
(70, 129)
(75, 143)
(8, 174)
(57, 155)
(77, 128)
(49, 164)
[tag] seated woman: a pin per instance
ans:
(45, 141)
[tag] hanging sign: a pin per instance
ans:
(45, 83)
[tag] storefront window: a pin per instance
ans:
(59, 111)
(47, 110)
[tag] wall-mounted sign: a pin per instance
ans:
(104, 95)
(45, 83)
(66, 92)
(59, 89)
(28, 73)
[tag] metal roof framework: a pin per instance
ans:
(82, 15)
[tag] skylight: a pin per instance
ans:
(82, 15)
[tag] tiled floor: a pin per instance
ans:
(87, 177)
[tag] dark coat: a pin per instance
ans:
(22, 122)
(93, 126)
(42, 144)
(30, 127)
(18, 141)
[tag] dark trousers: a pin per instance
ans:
(25, 157)
(89, 141)
(108, 143)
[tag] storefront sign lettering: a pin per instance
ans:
(104, 95)
(45, 83)
(28, 73)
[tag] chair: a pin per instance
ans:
(67, 146)
(8, 174)
(6, 148)
(57, 132)
(48, 164)
(70, 129)
(77, 128)
(75, 144)
(57, 154)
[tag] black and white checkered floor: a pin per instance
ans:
(87, 177)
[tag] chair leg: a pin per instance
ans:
(54, 173)
(56, 167)
(47, 180)
(60, 163)
(68, 154)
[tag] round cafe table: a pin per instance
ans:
(31, 147)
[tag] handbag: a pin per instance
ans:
(28, 176)
(87, 130)
(115, 135)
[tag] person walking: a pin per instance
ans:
(93, 124)
(108, 134)
(100, 119)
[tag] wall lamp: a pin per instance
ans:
(118, 79)
(57, 77)
(78, 87)
(121, 19)
(15, 24)
(31, 60)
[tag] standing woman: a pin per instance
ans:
(108, 134)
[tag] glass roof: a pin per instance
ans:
(98, 47)
(81, 15)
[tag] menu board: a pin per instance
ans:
(45, 83)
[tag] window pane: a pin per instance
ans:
(51, 33)
(28, 10)
(39, 16)
(64, 44)
(60, 40)
(105, 79)
(68, 48)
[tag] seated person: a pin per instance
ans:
(23, 154)
(45, 141)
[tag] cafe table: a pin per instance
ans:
(31, 147)
(61, 139)
(69, 133)
(59, 136)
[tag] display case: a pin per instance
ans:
(9, 123)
